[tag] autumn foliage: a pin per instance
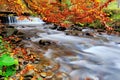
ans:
(63, 12)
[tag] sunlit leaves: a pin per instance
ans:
(55, 11)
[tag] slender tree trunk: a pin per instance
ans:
(118, 1)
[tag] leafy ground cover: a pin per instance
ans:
(19, 63)
(7, 62)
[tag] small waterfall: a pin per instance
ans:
(12, 19)
(15, 20)
(8, 19)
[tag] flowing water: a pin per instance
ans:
(95, 57)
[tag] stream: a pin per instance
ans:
(97, 58)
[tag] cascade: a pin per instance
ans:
(15, 20)
(8, 19)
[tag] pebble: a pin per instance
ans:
(43, 74)
(44, 42)
(62, 76)
(50, 74)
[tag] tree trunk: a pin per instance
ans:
(118, 3)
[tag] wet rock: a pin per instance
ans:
(53, 27)
(10, 26)
(20, 34)
(50, 74)
(100, 30)
(43, 74)
(79, 33)
(25, 62)
(47, 75)
(61, 28)
(62, 76)
(28, 77)
(22, 26)
(74, 27)
(30, 73)
(74, 33)
(37, 60)
(8, 31)
(89, 34)
(46, 42)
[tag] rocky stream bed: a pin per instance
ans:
(57, 53)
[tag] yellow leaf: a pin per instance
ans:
(21, 78)
(97, 1)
